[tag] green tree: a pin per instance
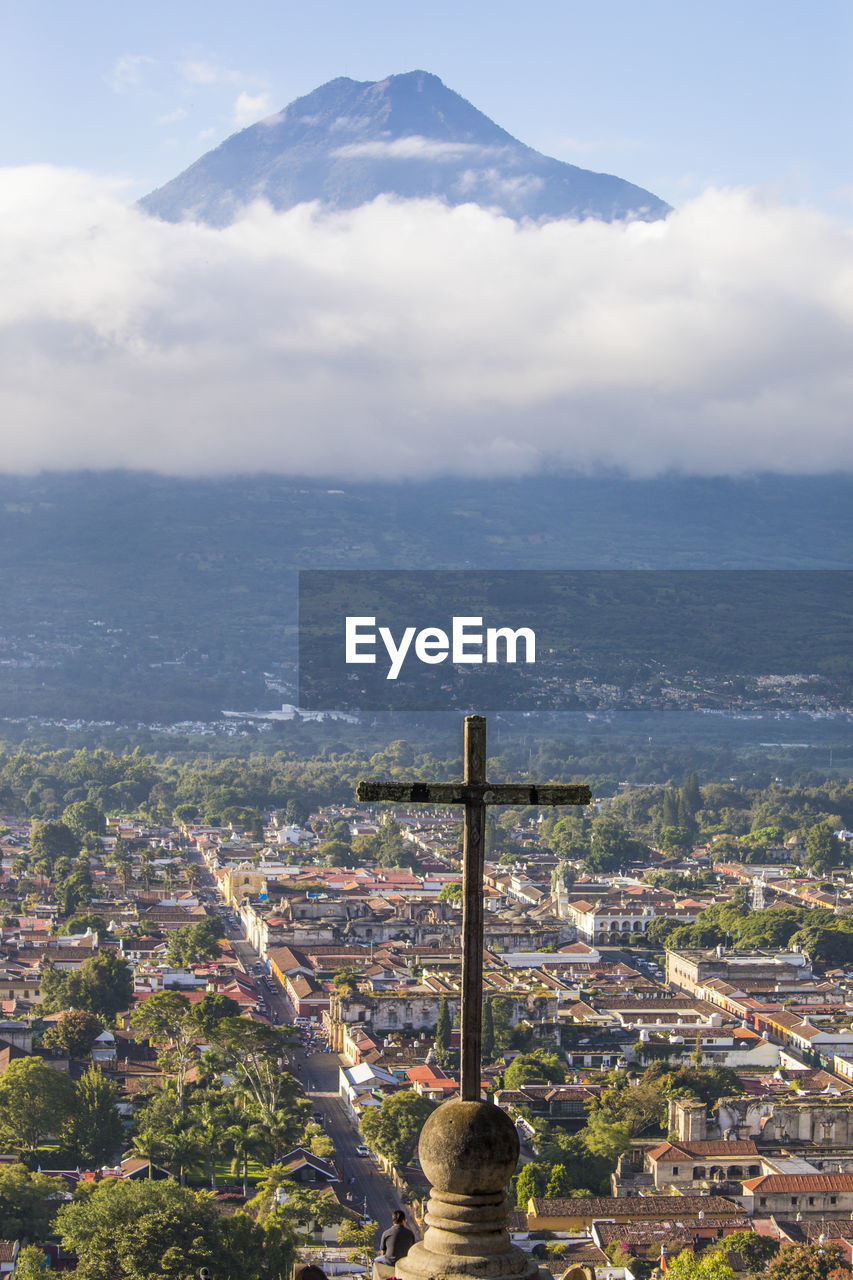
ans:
(295, 813)
(442, 1032)
(676, 839)
(52, 840)
(35, 1102)
(27, 1202)
(710, 1265)
(692, 794)
(103, 985)
(393, 1128)
(186, 813)
(245, 1140)
(253, 1053)
(164, 1019)
(824, 850)
(337, 853)
(209, 1012)
(32, 1264)
(670, 808)
(108, 982)
(75, 890)
(528, 1184)
(137, 1230)
(74, 1033)
(345, 980)
(391, 848)
(725, 849)
(450, 893)
(537, 1067)
(304, 1206)
(806, 1262)
(828, 943)
(607, 1138)
(502, 1021)
(360, 1238)
(755, 1250)
(82, 817)
(280, 1232)
(564, 873)
(211, 1114)
(184, 1148)
(195, 943)
(322, 1145)
(88, 920)
(612, 847)
(620, 1256)
(559, 1184)
(149, 1143)
(95, 1132)
(708, 1084)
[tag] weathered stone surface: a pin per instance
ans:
(469, 1151)
(468, 1148)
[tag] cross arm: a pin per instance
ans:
(470, 793)
(548, 794)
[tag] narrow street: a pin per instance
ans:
(366, 1187)
(364, 1182)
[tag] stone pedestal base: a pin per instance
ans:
(466, 1239)
(468, 1150)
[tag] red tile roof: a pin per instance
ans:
(782, 1182)
(667, 1152)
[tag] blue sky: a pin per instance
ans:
(672, 94)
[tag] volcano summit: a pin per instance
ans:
(408, 136)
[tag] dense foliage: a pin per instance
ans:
(624, 1109)
(393, 1128)
(73, 789)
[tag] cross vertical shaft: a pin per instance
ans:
(473, 857)
(475, 793)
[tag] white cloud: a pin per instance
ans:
(347, 124)
(494, 183)
(206, 73)
(127, 71)
(172, 117)
(408, 339)
(413, 147)
(250, 108)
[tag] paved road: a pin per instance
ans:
(371, 1187)
(366, 1186)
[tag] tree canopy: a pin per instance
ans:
(102, 985)
(393, 1128)
(35, 1102)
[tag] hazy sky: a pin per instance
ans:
(674, 96)
(400, 340)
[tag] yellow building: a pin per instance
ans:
(243, 881)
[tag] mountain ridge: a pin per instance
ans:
(136, 597)
(409, 135)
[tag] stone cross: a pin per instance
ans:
(475, 793)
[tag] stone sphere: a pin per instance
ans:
(468, 1148)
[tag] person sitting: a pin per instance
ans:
(394, 1245)
(308, 1271)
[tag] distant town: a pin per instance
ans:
(264, 1002)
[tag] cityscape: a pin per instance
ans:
(413, 328)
